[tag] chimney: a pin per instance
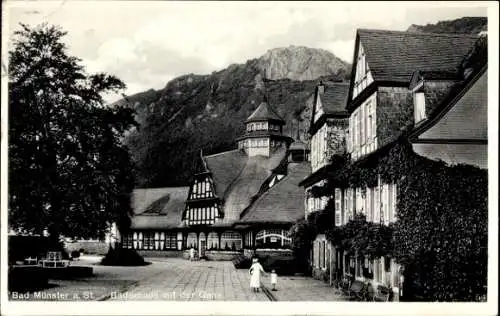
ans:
(321, 87)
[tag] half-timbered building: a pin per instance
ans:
(329, 124)
(246, 198)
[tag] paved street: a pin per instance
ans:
(181, 280)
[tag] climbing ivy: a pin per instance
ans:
(440, 235)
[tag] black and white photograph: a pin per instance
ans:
(290, 157)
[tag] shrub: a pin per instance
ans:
(123, 257)
(81, 250)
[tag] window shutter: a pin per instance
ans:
(373, 113)
(338, 207)
(394, 201)
(376, 204)
(385, 202)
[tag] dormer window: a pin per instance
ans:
(419, 106)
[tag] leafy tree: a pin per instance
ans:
(68, 170)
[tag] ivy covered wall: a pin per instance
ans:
(394, 112)
(440, 235)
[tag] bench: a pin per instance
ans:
(378, 294)
(356, 290)
(31, 261)
(54, 260)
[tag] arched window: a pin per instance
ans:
(192, 240)
(135, 240)
(231, 241)
(157, 241)
(213, 241)
(162, 240)
(273, 238)
(140, 241)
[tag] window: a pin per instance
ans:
(157, 241)
(349, 201)
(362, 117)
(213, 241)
(128, 241)
(148, 240)
(357, 139)
(369, 121)
(359, 201)
(348, 140)
(191, 240)
(272, 238)
(228, 239)
(419, 105)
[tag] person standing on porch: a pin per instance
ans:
(255, 271)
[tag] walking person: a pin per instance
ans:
(255, 271)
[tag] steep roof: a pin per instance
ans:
(158, 208)
(238, 178)
(472, 67)
(225, 167)
(334, 98)
(394, 55)
(282, 203)
(264, 112)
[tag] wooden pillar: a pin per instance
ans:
(198, 240)
(219, 234)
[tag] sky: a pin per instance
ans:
(146, 44)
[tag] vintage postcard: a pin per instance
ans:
(334, 158)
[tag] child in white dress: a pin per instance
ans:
(255, 271)
(274, 279)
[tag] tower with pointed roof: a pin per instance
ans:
(263, 133)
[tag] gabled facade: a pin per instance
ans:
(327, 132)
(380, 107)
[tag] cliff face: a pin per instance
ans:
(207, 112)
(300, 63)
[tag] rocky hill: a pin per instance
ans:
(206, 112)
(299, 63)
(465, 25)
